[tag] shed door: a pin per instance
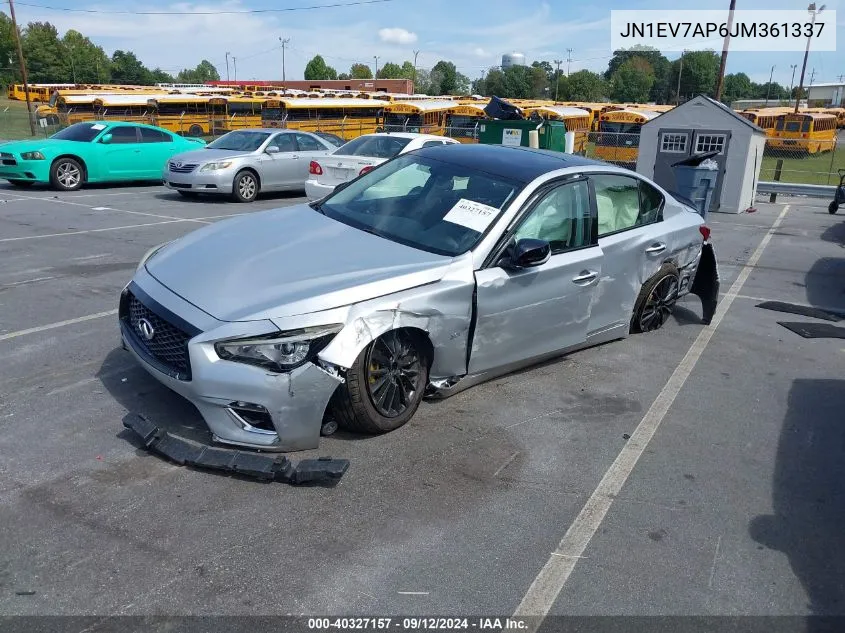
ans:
(674, 145)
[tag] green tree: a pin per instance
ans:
(737, 86)
(632, 81)
(448, 80)
(126, 68)
(583, 85)
(317, 69)
(88, 62)
(698, 75)
(205, 71)
(661, 67)
(547, 69)
(390, 71)
(8, 52)
(158, 76)
(407, 70)
(361, 71)
(344, 76)
(773, 91)
(423, 84)
(538, 79)
(46, 60)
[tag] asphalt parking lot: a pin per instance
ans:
(694, 470)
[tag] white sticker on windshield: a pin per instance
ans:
(473, 215)
(98, 126)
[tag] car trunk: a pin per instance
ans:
(338, 169)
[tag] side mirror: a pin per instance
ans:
(106, 139)
(528, 252)
(271, 149)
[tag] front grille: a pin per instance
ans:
(181, 168)
(168, 345)
(7, 159)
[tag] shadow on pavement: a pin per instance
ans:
(808, 498)
(825, 283)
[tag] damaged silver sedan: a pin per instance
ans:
(437, 270)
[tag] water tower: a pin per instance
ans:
(512, 59)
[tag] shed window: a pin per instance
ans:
(710, 143)
(673, 143)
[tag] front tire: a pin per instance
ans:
(831, 209)
(245, 187)
(385, 384)
(656, 301)
(66, 174)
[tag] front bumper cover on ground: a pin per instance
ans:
(255, 465)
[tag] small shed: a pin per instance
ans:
(703, 125)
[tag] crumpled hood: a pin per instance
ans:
(285, 262)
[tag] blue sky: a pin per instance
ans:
(471, 33)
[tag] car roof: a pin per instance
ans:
(513, 163)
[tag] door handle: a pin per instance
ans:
(585, 277)
(657, 247)
(295, 157)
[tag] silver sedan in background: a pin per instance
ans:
(434, 271)
(243, 163)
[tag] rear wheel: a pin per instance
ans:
(656, 301)
(66, 174)
(195, 131)
(385, 384)
(22, 183)
(245, 187)
(832, 208)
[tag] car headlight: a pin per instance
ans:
(149, 254)
(32, 156)
(280, 351)
(222, 164)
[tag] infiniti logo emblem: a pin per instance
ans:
(146, 329)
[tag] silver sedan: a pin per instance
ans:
(244, 162)
(436, 270)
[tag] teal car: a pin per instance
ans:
(93, 151)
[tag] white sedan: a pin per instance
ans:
(360, 155)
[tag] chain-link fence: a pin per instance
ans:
(803, 161)
(619, 148)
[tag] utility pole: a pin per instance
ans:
(284, 43)
(568, 61)
(812, 76)
(227, 66)
(814, 12)
(792, 81)
(558, 62)
(415, 69)
(22, 62)
(769, 86)
(235, 64)
(680, 72)
(375, 75)
(720, 80)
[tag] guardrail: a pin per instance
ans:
(796, 189)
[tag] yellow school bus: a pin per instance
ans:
(764, 118)
(804, 132)
(618, 139)
(463, 121)
(347, 118)
(237, 113)
(39, 93)
(839, 113)
(578, 120)
(425, 117)
(123, 107)
(72, 109)
(189, 115)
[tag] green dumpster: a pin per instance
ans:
(552, 134)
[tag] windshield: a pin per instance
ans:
(619, 128)
(427, 204)
(375, 146)
(240, 141)
(82, 132)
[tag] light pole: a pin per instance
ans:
(375, 75)
(814, 12)
(680, 72)
(720, 80)
(235, 64)
(568, 61)
(415, 69)
(227, 65)
(769, 87)
(558, 62)
(792, 81)
(284, 43)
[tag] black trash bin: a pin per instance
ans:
(694, 182)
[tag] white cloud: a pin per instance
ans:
(480, 52)
(397, 36)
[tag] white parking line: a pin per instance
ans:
(545, 589)
(52, 326)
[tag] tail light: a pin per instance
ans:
(314, 168)
(365, 170)
(705, 232)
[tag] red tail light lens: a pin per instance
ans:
(365, 170)
(314, 168)
(705, 232)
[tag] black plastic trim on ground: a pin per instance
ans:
(261, 466)
(815, 330)
(794, 308)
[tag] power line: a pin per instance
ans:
(245, 11)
